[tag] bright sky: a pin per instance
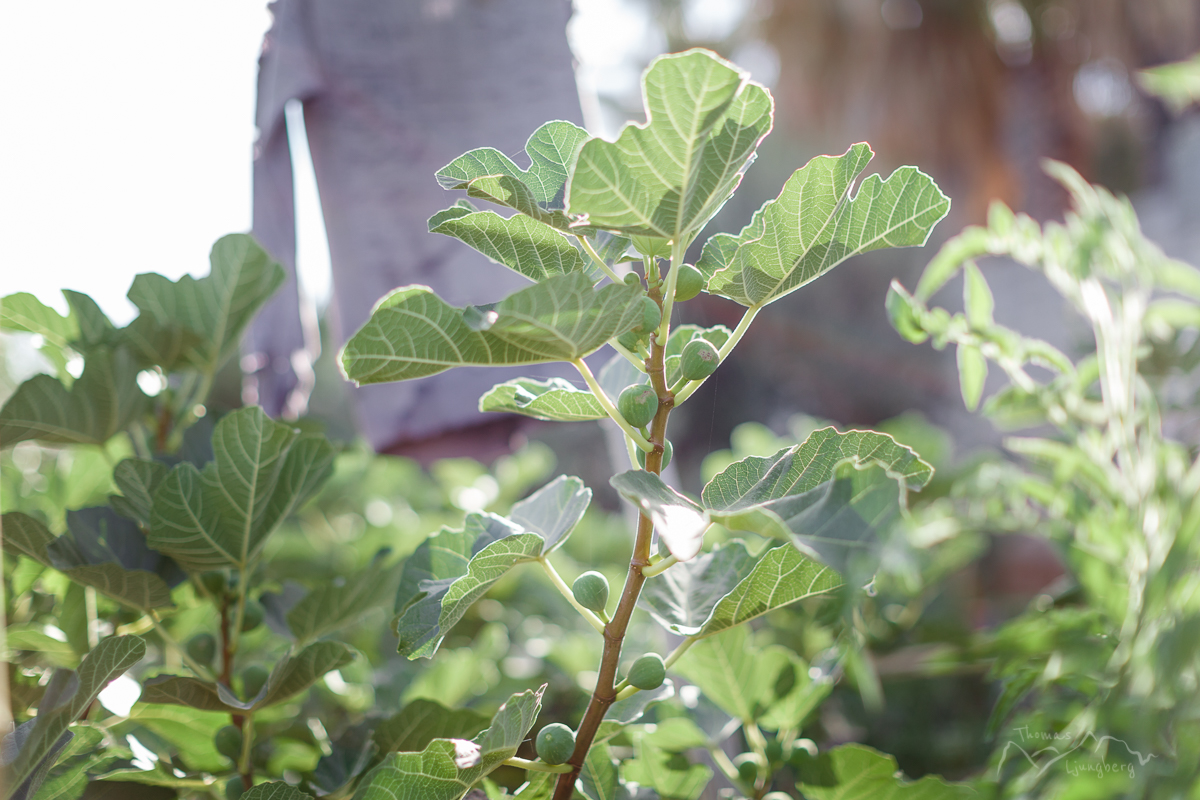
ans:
(129, 127)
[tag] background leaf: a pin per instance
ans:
(335, 604)
(413, 333)
(421, 721)
(447, 768)
(742, 680)
(290, 676)
(135, 587)
(783, 248)
(856, 772)
(216, 307)
(105, 400)
(68, 696)
(221, 517)
(24, 312)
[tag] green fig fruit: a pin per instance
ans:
(202, 648)
(750, 767)
(638, 404)
(699, 360)
(648, 672)
(234, 788)
(632, 279)
(651, 316)
(228, 742)
(214, 583)
(555, 743)
(254, 678)
(631, 341)
(253, 615)
(668, 451)
(591, 591)
(688, 283)
(774, 751)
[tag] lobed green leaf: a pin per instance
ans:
(447, 768)
(221, 516)
(413, 333)
(668, 177)
(815, 224)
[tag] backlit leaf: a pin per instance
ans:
(668, 177)
(519, 243)
(217, 307)
(553, 399)
(105, 400)
(785, 247)
(413, 333)
(421, 721)
(447, 768)
(221, 516)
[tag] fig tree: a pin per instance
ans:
(555, 743)
(638, 404)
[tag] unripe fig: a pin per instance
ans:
(750, 767)
(630, 341)
(228, 742)
(234, 788)
(668, 451)
(632, 279)
(651, 316)
(688, 283)
(202, 648)
(699, 359)
(591, 591)
(260, 754)
(648, 672)
(774, 751)
(555, 743)
(638, 404)
(253, 679)
(214, 583)
(253, 615)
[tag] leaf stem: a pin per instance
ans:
(605, 694)
(659, 567)
(608, 406)
(591, 251)
(724, 764)
(246, 765)
(566, 592)
(668, 303)
(638, 360)
(536, 766)
(678, 652)
(726, 349)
